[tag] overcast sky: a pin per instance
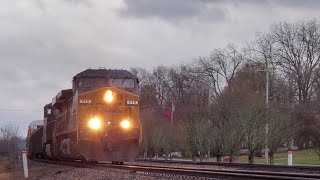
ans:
(44, 43)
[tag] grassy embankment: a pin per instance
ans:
(300, 157)
(4, 172)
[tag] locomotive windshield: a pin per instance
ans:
(92, 82)
(99, 82)
(124, 83)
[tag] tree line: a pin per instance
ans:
(220, 99)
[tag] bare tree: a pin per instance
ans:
(315, 133)
(248, 87)
(253, 116)
(10, 135)
(281, 129)
(157, 140)
(220, 68)
(297, 49)
(228, 134)
(163, 87)
(218, 71)
(196, 126)
(315, 137)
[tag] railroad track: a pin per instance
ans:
(195, 172)
(240, 165)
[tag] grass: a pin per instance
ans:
(4, 173)
(300, 157)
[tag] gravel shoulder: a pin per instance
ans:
(43, 171)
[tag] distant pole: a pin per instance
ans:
(25, 164)
(171, 124)
(290, 155)
(172, 110)
(266, 154)
(290, 158)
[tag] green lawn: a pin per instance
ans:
(300, 157)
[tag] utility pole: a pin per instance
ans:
(172, 110)
(266, 153)
(171, 124)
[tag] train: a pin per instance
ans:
(96, 120)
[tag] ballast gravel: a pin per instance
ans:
(43, 171)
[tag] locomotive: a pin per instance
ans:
(96, 120)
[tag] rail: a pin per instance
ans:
(195, 172)
(242, 165)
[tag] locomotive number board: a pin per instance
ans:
(132, 102)
(85, 101)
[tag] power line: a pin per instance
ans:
(18, 122)
(18, 110)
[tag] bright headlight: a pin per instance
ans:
(94, 123)
(108, 97)
(125, 124)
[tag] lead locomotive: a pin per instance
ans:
(96, 120)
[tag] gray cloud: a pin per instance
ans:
(211, 10)
(279, 3)
(297, 3)
(174, 10)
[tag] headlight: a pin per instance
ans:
(108, 97)
(94, 123)
(125, 124)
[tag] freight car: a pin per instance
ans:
(96, 120)
(34, 139)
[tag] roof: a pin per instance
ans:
(108, 73)
(36, 123)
